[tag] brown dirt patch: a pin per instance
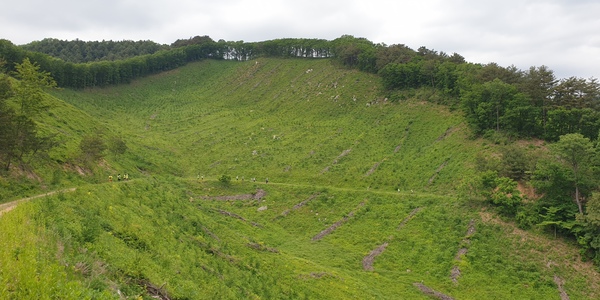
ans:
(430, 292)
(408, 218)
(259, 194)
(337, 224)
(370, 259)
(560, 283)
(299, 205)
(528, 191)
(455, 272)
(230, 214)
(372, 170)
(439, 169)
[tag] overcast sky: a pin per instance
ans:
(561, 34)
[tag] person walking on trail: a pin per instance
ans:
(109, 178)
(119, 177)
(267, 180)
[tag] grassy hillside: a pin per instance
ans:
(290, 120)
(362, 202)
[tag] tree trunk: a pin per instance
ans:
(577, 200)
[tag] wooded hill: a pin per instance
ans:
(530, 103)
(376, 189)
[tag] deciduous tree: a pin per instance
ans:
(577, 153)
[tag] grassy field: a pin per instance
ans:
(349, 171)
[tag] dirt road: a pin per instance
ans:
(8, 206)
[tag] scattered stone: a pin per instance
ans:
(262, 208)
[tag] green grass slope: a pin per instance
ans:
(361, 203)
(289, 120)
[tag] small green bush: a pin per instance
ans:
(225, 179)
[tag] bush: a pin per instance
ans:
(225, 179)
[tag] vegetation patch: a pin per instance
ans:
(337, 224)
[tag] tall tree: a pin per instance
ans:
(29, 91)
(577, 153)
(539, 84)
(19, 132)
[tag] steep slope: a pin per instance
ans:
(363, 199)
(290, 120)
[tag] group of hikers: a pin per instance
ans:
(125, 177)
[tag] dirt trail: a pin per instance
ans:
(8, 206)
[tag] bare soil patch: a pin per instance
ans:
(560, 283)
(439, 169)
(409, 217)
(260, 193)
(455, 272)
(260, 247)
(448, 132)
(431, 292)
(370, 259)
(337, 224)
(337, 159)
(230, 214)
(299, 205)
(372, 170)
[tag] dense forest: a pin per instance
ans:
(79, 51)
(499, 103)
(530, 103)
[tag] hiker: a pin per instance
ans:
(126, 176)
(267, 181)
(109, 178)
(119, 177)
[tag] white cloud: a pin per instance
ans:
(558, 33)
